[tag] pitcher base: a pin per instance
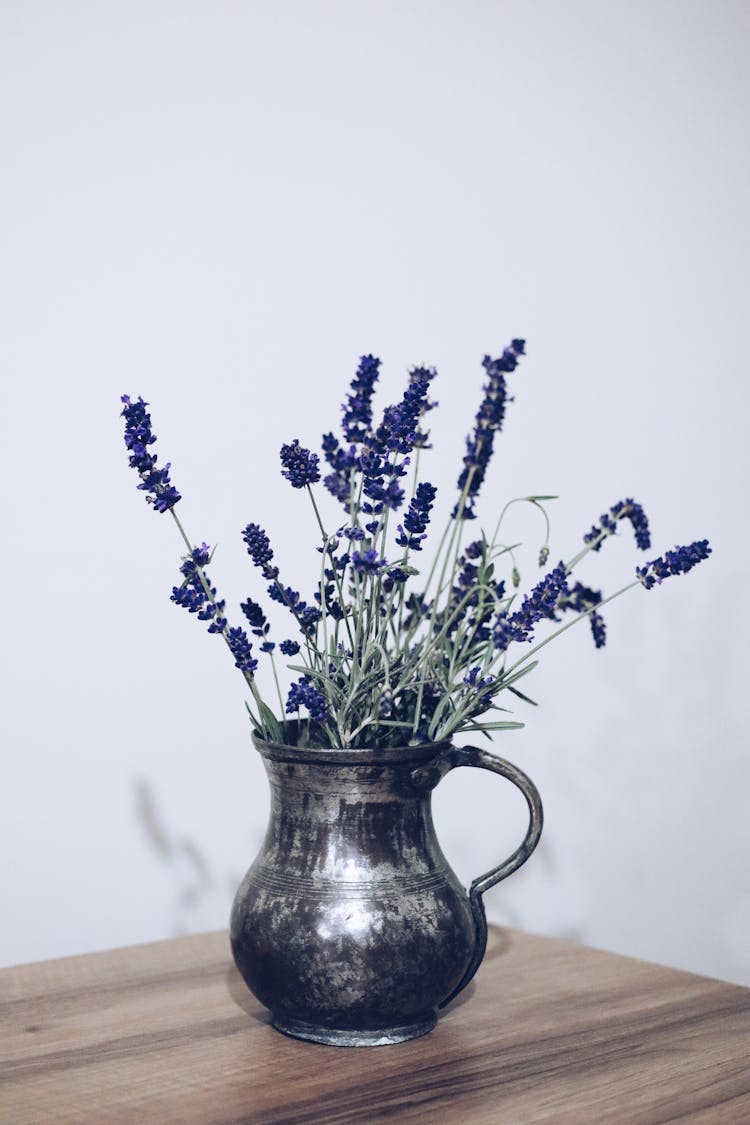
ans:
(341, 1037)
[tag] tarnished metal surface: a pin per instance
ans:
(350, 925)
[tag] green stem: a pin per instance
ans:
(337, 576)
(458, 520)
(278, 687)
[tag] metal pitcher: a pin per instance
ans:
(350, 926)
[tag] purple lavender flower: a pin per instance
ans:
(259, 549)
(199, 557)
(258, 545)
(259, 626)
(188, 596)
(395, 576)
(466, 594)
(300, 466)
(303, 694)
(285, 595)
(412, 531)
(242, 651)
(368, 562)
(192, 594)
(398, 575)
(489, 419)
(484, 697)
(255, 616)
(308, 616)
(623, 510)
(398, 433)
(138, 436)
(342, 462)
(338, 486)
(541, 602)
(679, 561)
(582, 599)
(357, 420)
(399, 430)
(416, 376)
(327, 600)
(356, 424)
(598, 629)
(289, 648)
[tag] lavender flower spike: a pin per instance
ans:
(368, 562)
(138, 436)
(258, 623)
(623, 510)
(541, 602)
(357, 420)
(192, 594)
(300, 466)
(303, 694)
(412, 531)
(259, 548)
(678, 561)
(489, 419)
(242, 651)
(582, 599)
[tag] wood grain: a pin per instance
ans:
(548, 1032)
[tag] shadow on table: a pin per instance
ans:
(244, 999)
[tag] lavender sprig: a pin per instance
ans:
(138, 437)
(679, 561)
(303, 694)
(489, 420)
(357, 421)
(623, 509)
(540, 603)
(368, 563)
(582, 599)
(300, 466)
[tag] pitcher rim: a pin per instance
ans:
(337, 755)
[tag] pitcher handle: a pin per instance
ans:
(473, 756)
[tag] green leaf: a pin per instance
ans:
(494, 726)
(525, 698)
(322, 677)
(535, 499)
(270, 722)
(253, 720)
(517, 675)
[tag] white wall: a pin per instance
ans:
(220, 206)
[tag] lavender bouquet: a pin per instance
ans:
(384, 655)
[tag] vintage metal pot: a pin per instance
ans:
(350, 925)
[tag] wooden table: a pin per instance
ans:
(547, 1032)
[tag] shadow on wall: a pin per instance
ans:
(202, 899)
(537, 899)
